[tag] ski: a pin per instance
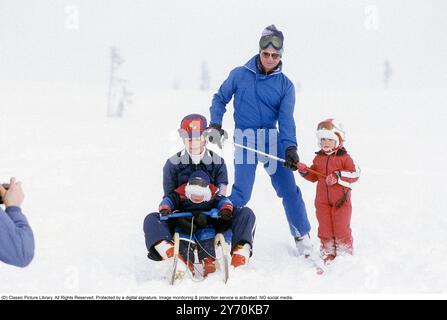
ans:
(314, 261)
(318, 267)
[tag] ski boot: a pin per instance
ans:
(304, 246)
(209, 266)
(165, 249)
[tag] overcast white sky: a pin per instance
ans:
(328, 44)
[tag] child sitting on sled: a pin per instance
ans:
(335, 171)
(197, 196)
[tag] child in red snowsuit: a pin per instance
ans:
(335, 171)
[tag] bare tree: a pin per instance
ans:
(206, 79)
(119, 95)
(387, 73)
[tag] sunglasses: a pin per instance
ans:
(266, 55)
(273, 41)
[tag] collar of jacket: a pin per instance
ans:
(254, 65)
(340, 152)
(185, 155)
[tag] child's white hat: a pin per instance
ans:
(331, 129)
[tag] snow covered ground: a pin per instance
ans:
(90, 181)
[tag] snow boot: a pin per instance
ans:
(327, 248)
(241, 255)
(165, 249)
(304, 246)
(209, 266)
(345, 247)
(328, 259)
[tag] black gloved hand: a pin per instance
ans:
(221, 226)
(186, 224)
(215, 134)
(164, 212)
(226, 214)
(292, 158)
(200, 220)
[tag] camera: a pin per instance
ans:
(6, 186)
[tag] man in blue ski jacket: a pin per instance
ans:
(16, 236)
(264, 101)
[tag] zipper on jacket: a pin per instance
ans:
(327, 187)
(257, 100)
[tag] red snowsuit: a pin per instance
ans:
(334, 228)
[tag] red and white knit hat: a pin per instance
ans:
(198, 186)
(331, 129)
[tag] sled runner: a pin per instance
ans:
(220, 247)
(219, 242)
(175, 258)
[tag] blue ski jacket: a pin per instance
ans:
(179, 167)
(260, 101)
(16, 238)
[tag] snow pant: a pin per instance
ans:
(243, 229)
(282, 178)
(334, 228)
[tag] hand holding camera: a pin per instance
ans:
(11, 194)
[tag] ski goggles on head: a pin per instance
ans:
(198, 182)
(273, 41)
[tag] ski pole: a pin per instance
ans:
(270, 156)
(256, 151)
